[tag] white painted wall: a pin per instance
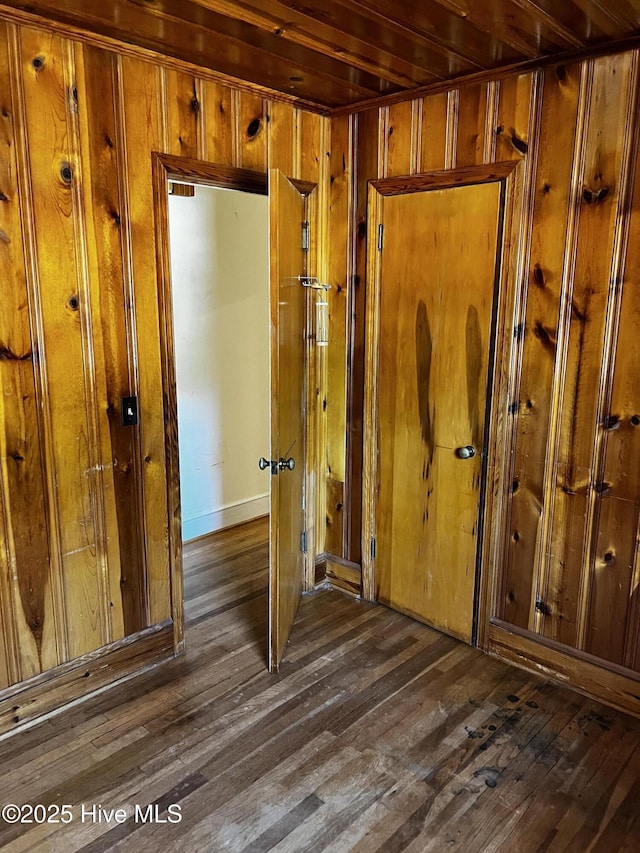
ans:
(220, 280)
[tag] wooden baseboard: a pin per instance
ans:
(40, 697)
(339, 574)
(613, 686)
(320, 574)
(224, 518)
(344, 575)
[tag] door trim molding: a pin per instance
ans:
(511, 176)
(166, 167)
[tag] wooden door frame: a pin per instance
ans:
(166, 168)
(502, 357)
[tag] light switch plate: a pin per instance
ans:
(129, 411)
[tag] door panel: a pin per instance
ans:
(286, 215)
(437, 272)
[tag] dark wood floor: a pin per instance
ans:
(379, 734)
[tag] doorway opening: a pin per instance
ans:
(292, 229)
(219, 262)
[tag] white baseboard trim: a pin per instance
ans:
(227, 516)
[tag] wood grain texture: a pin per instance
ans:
(577, 145)
(282, 138)
(102, 154)
(512, 119)
(346, 52)
(621, 462)
(310, 150)
(181, 94)
(433, 132)
(393, 737)
(400, 149)
(142, 120)
(288, 299)
(343, 575)
(615, 686)
(367, 161)
(64, 346)
(540, 335)
(570, 563)
(311, 158)
(472, 124)
(334, 404)
(608, 624)
(82, 328)
(251, 134)
(26, 604)
(433, 342)
(97, 351)
(218, 123)
(46, 694)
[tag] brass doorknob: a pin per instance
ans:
(466, 452)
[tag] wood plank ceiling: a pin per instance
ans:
(335, 53)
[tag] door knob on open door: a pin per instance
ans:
(278, 465)
(267, 463)
(466, 452)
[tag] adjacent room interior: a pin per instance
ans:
(220, 286)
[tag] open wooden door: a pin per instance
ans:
(288, 297)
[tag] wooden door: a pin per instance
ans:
(288, 299)
(435, 277)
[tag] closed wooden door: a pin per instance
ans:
(435, 270)
(288, 299)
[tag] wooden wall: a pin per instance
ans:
(83, 509)
(569, 570)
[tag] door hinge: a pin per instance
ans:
(303, 542)
(373, 547)
(305, 236)
(380, 236)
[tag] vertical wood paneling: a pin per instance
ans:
(512, 128)
(335, 405)
(400, 154)
(25, 603)
(112, 326)
(511, 111)
(310, 151)
(540, 331)
(281, 137)
(451, 138)
(251, 131)
(433, 138)
(140, 84)
(613, 521)
(83, 501)
(183, 114)
(621, 467)
(54, 629)
(99, 475)
(571, 529)
(218, 121)
(472, 125)
(368, 158)
(579, 416)
(53, 164)
(309, 159)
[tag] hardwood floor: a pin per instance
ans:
(378, 734)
